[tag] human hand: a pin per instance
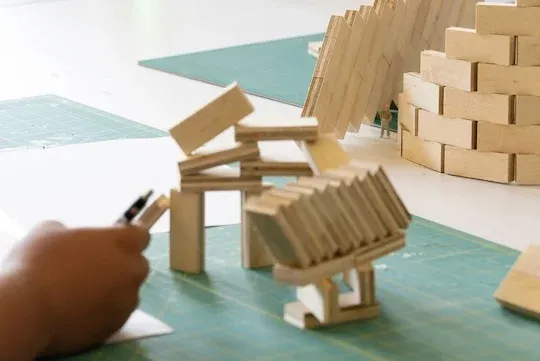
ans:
(87, 279)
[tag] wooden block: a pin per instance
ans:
(309, 222)
(378, 41)
(467, 44)
(522, 80)
(212, 119)
(362, 97)
(488, 166)
(214, 157)
(527, 110)
(327, 229)
(154, 211)
(275, 231)
(270, 167)
(431, 19)
(306, 251)
(187, 236)
(422, 152)
(220, 179)
(527, 3)
(451, 131)
(528, 50)
(352, 235)
(391, 198)
(422, 94)
(484, 107)
(253, 248)
(519, 290)
(407, 115)
(325, 153)
(436, 68)
(391, 43)
(510, 139)
(376, 91)
(256, 130)
(527, 169)
(507, 19)
(375, 197)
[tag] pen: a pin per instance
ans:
(135, 208)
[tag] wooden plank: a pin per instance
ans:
(528, 50)
(510, 139)
(527, 110)
(253, 248)
(408, 115)
(527, 169)
(422, 152)
(436, 68)
(256, 130)
(325, 153)
(422, 94)
(218, 156)
(187, 234)
(488, 166)
(507, 19)
(467, 44)
(523, 80)
(527, 3)
(451, 131)
(493, 108)
(205, 124)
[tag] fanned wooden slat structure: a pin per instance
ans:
(366, 51)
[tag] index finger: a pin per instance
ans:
(133, 237)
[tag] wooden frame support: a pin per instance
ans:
(254, 252)
(320, 304)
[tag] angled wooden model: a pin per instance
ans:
(337, 222)
(365, 53)
(206, 170)
(473, 111)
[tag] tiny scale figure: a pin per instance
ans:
(386, 116)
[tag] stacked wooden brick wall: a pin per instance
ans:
(365, 53)
(474, 111)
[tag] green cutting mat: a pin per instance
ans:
(436, 297)
(48, 120)
(279, 70)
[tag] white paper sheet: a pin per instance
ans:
(140, 325)
(92, 184)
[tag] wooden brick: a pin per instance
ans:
(527, 3)
(527, 110)
(528, 51)
(407, 115)
(422, 152)
(527, 169)
(493, 108)
(507, 19)
(494, 167)
(451, 131)
(186, 239)
(467, 44)
(509, 79)
(510, 139)
(422, 94)
(212, 119)
(436, 68)
(254, 252)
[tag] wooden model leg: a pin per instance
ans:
(254, 253)
(320, 304)
(187, 235)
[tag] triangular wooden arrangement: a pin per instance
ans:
(519, 291)
(337, 222)
(365, 53)
(473, 111)
(202, 171)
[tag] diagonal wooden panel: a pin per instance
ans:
(366, 52)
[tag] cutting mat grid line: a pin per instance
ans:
(48, 120)
(433, 308)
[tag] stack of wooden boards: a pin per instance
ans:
(205, 170)
(321, 226)
(474, 111)
(365, 53)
